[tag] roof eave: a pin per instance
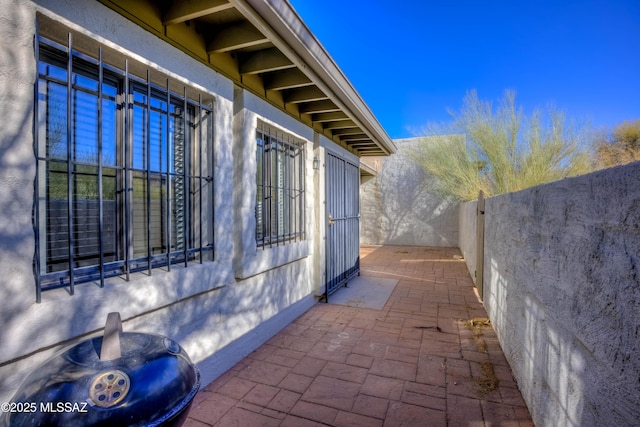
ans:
(289, 33)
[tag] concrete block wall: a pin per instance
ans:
(562, 289)
(397, 207)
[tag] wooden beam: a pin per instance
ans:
(372, 148)
(304, 94)
(324, 106)
(329, 117)
(185, 10)
(236, 37)
(342, 124)
(360, 145)
(356, 137)
(372, 152)
(286, 79)
(264, 61)
(348, 131)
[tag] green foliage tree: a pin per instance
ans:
(501, 150)
(619, 147)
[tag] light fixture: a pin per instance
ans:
(316, 163)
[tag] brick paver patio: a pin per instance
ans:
(421, 361)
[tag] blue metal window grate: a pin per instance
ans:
(124, 170)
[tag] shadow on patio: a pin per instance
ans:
(428, 358)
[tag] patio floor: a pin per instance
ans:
(428, 358)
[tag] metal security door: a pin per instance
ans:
(343, 222)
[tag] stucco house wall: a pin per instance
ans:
(398, 207)
(220, 310)
(562, 289)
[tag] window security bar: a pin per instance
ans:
(124, 171)
(280, 207)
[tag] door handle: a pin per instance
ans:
(331, 220)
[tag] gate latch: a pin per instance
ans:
(331, 220)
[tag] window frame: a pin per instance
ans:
(280, 187)
(198, 146)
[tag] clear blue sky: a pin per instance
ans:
(410, 60)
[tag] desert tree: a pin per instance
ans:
(620, 146)
(500, 149)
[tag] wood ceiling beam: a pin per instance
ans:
(374, 150)
(356, 137)
(236, 37)
(361, 145)
(342, 124)
(329, 117)
(286, 79)
(304, 94)
(324, 106)
(181, 11)
(351, 131)
(370, 148)
(265, 60)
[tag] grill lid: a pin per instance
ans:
(121, 378)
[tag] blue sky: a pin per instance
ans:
(581, 56)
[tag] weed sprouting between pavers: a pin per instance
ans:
(487, 381)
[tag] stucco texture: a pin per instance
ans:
(398, 206)
(562, 289)
(217, 317)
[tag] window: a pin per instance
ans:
(280, 188)
(124, 177)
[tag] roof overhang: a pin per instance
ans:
(265, 47)
(367, 171)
